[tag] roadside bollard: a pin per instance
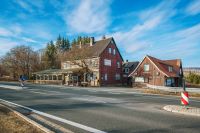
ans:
(184, 98)
(184, 95)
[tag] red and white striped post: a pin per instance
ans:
(184, 95)
(184, 98)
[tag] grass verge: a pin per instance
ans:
(11, 123)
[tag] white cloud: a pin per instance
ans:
(26, 6)
(5, 32)
(26, 39)
(193, 8)
(135, 38)
(11, 31)
(6, 45)
(88, 17)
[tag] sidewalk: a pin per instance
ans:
(183, 110)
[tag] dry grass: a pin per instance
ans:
(155, 91)
(11, 123)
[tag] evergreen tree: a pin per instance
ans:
(67, 44)
(74, 43)
(51, 54)
(58, 43)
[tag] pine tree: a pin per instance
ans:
(58, 43)
(67, 44)
(51, 54)
(74, 43)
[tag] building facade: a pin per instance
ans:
(97, 63)
(158, 72)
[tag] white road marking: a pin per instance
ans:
(40, 93)
(87, 99)
(86, 128)
(12, 87)
(92, 90)
(114, 92)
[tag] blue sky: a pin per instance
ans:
(166, 29)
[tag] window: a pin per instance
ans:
(109, 50)
(107, 62)
(139, 79)
(45, 77)
(146, 80)
(126, 70)
(106, 76)
(114, 52)
(169, 82)
(146, 67)
(170, 68)
(54, 77)
(59, 77)
(117, 76)
(118, 64)
(66, 65)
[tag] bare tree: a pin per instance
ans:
(21, 60)
(78, 57)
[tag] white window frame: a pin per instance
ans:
(170, 68)
(146, 67)
(106, 77)
(114, 52)
(109, 50)
(107, 62)
(117, 76)
(118, 64)
(66, 65)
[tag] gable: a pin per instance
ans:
(115, 47)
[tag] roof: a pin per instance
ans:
(91, 51)
(130, 64)
(163, 65)
(56, 71)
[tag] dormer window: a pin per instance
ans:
(126, 70)
(170, 68)
(109, 50)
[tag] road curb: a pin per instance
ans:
(183, 110)
(30, 121)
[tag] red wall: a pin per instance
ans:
(110, 70)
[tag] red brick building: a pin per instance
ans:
(158, 72)
(102, 58)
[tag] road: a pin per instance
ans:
(108, 109)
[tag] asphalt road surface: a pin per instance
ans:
(107, 109)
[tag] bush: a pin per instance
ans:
(193, 78)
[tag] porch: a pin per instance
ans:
(69, 77)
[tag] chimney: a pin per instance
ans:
(91, 41)
(80, 44)
(103, 37)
